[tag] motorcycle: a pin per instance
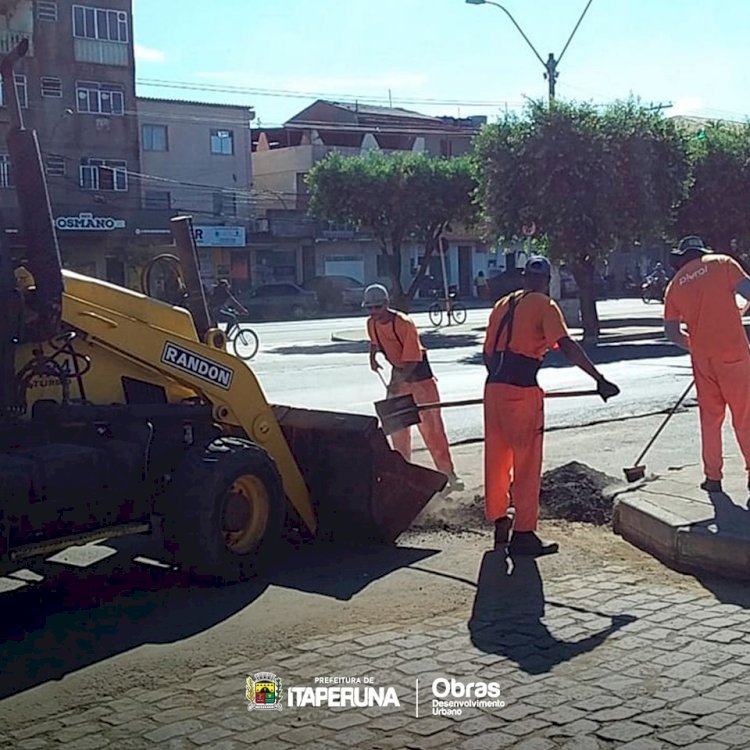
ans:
(653, 289)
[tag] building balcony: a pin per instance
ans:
(9, 39)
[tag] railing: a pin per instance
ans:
(9, 39)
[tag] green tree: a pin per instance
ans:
(716, 207)
(398, 197)
(589, 179)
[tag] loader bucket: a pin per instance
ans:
(361, 489)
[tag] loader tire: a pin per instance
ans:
(224, 511)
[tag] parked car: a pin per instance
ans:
(278, 301)
(336, 292)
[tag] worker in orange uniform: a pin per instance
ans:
(702, 297)
(395, 335)
(523, 326)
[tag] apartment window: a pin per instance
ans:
(6, 178)
(55, 166)
(23, 95)
(157, 199)
(51, 86)
(222, 142)
(225, 204)
(104, 174)
(46, 10)
(100, 98)
(99, 23)
(154, 138)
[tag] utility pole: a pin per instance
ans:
(551, 75)
(550, 66)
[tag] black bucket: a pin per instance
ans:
(361, 489)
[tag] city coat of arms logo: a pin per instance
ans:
(263, 691)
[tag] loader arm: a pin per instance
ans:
(149, 336)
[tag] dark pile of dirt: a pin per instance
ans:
(576, 492)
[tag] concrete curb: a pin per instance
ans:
(683, 533)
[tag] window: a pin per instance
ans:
(100, 98)
(225, 204)
(157, 199)
(51, 86)
(6, 178)
(46, 10)
(154, 138)
(23, 96)
(222, 142)
(99, 23)
(55, 166)
(104, 174)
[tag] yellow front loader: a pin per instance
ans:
(120, 413)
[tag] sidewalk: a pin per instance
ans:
(614, 660)
(620, 653)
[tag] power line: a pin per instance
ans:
(287, 94)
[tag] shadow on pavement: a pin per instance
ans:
(507, 617)
(732, 520)
(432, 339)
(602, 354)
(81, 616)
(332, 571)
(337, 347)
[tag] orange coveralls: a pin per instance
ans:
(398, 339)
(514, 415)
(702, 296)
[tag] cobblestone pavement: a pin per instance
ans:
(612, 661)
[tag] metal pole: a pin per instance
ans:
(551, 75)
(445, 279)
(551, 65)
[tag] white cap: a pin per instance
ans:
(375, 294)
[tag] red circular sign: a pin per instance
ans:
(529, 229)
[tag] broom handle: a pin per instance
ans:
(664, 423)
(477, 401)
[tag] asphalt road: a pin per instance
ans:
(300, 365)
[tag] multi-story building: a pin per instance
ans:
(195, 159)
(77, 89)
(295, 247)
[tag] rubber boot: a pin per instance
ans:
(504, 530)
(527, 543)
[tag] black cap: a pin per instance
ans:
(539, 265)
(688, 244)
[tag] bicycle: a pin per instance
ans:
(244, 340)
(455, 311)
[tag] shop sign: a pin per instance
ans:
(208, 236)
(85, 222)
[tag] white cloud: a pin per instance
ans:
(146, 54)
(686, 105)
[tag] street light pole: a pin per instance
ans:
(550, 66)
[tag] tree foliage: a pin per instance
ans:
(399, 197)
(587, 178)
(716, 207)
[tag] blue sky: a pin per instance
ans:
(470, 59)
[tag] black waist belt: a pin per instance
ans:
(422, 371)
(515, 369)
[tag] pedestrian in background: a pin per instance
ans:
(523, 326)
(395, 335)
(481, 284)
(701, 297)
